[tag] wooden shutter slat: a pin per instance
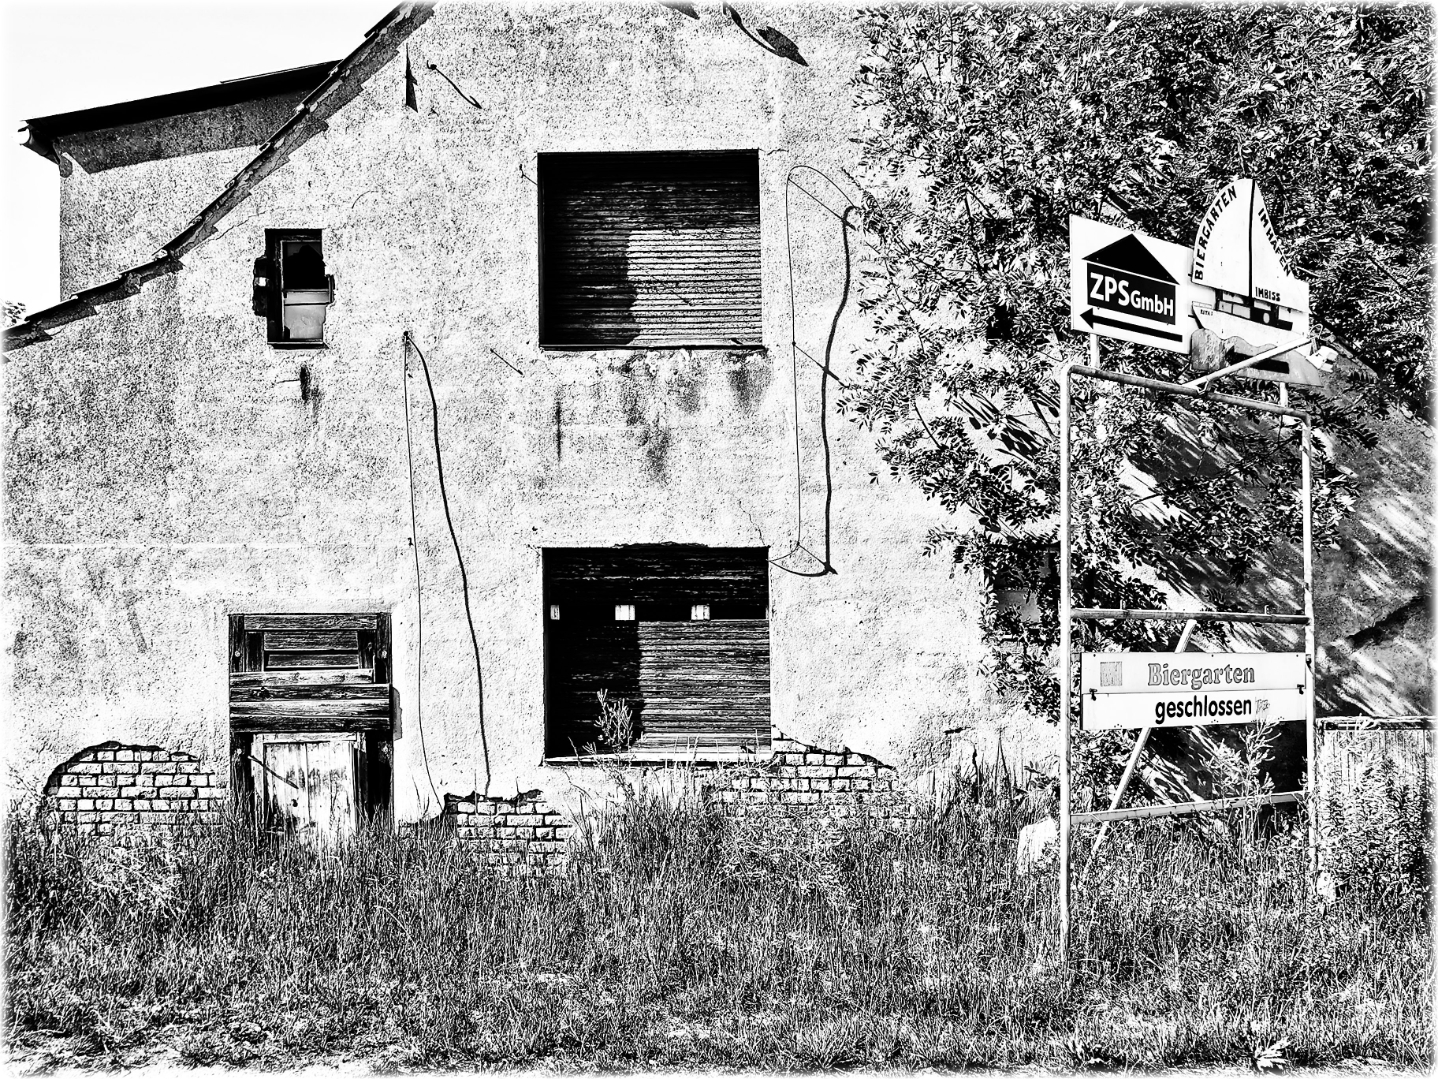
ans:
(347, 676)
(308, 622)
(332, 641)
(330, 723)
(301, 660)
(317, 691)
(313, 709)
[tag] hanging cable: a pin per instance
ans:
(794, 374)
(458, 555)
(824, 391)
(467, 99)
(418, 587)
(824, 375)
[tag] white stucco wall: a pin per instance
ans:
(164, 472)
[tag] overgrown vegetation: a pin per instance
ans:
(616, 723)
(1378, 831)
(676, 939)
(988, 126)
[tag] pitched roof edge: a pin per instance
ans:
(37, 326)
(43, 130)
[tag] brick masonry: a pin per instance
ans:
(126, 791)
(810, 783)
(523, 834)
(122, 790)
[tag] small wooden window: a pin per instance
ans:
(649, 250)
(291, 288)
(693, 684)
(311, 718)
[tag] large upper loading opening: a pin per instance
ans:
(644, 250)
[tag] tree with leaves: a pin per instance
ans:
(988, 127)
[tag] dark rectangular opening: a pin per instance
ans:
(291, 288)
(645, 250)
(678, 635)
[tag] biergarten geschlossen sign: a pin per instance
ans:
(1127, 690)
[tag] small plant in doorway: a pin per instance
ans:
(616, 721)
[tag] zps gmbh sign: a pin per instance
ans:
(1116, 283)
(1123, 690)
(1130, 286)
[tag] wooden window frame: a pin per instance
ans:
(269, 295)
(665, 622)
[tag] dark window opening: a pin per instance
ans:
(311, 720)
(1001, 323)
(291, 289)
(649, 250)
(1025, 580)
(677, 635)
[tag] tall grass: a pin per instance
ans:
(676, 939)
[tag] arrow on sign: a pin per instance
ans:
(1132, 327)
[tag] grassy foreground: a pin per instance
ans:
(678, 941)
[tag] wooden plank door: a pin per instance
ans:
(303, 687)
(309, 786)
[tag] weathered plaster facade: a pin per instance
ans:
(165, 467)
(164, 470)
(111, 176)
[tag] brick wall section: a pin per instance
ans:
(807, 782)
(124, 792)
(522, 834)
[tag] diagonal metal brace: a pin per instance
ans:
(1172, 809)
(1132, 766)
(1276, 350)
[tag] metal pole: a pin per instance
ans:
(1175, 809)
(1310, 638)
(1132, 765)
(1131, 614)
(1250, 403)
(1066, 649)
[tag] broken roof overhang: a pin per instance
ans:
(394, 28)
(41, 132)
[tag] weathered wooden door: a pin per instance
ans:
(311, 719)
(309, 786)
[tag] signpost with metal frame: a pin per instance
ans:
(1232, 305)
(1068, 614)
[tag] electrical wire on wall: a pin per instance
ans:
(454, 539)
(418, 585)
(825, 374)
